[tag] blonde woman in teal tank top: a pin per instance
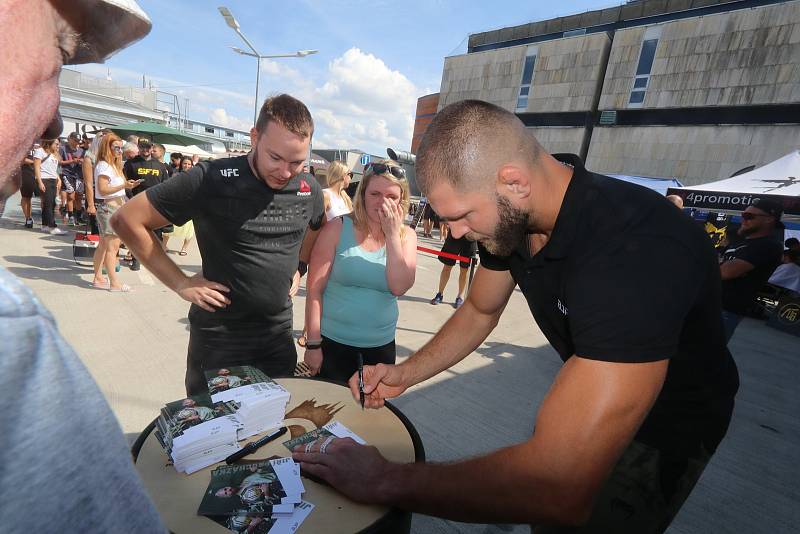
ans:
(359, 266)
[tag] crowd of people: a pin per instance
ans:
(636, 412)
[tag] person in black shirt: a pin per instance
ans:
(153, 171)
(626, 289)
(250, 215)
(747, 266)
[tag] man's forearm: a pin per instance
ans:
(309, 239)
(145, 246)
(504, 486)
(461, 334)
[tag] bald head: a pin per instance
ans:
(675, 199)
(468, 141)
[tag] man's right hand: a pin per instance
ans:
(91, 209)
(381, 382)
(204, 293)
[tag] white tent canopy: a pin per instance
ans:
(778, 180)
(190, 150)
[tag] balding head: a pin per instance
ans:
(468, 141)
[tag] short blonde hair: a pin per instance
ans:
(359, 208)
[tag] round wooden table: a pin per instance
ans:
(314, 402)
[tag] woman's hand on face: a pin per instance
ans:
(390, 214)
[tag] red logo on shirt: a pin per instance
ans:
(304, 187)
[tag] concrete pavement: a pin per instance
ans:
(135, 347)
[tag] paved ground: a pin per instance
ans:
(135, 346)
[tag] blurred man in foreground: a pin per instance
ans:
(56, 429)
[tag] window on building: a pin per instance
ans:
(527, 78)
(210, 129)
(644, 67)
(228, 134)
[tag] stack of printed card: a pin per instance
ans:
(334, 428)
(261, 402)
(197, 432)
(263, 496)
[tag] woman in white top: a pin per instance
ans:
(337, 202)
(45, 168)
(109, 186)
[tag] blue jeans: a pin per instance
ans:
(730, 321)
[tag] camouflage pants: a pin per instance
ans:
(642, 495)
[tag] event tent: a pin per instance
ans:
(190, 150)
(778, 180)
(660, 185)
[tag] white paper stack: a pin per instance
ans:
(197, 432)
(261, 402)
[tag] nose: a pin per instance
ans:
(457, 229)
(286, 172)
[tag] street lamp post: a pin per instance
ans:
(234, 25)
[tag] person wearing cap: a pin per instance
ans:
(150, 169)
(57, 429)
(747, 265)
(71, 178)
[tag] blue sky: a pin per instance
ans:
(375, 58)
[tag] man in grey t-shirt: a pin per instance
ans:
(56, 429)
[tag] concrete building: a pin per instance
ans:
(691, 89)
(426, 109)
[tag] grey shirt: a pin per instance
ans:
(64, 463)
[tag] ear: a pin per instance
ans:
(513, 182)
(253, 137)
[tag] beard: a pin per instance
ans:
(744, 232)
(511, 230)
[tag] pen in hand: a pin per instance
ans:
(361, 379)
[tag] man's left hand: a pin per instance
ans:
(357, 471)
(295, 284)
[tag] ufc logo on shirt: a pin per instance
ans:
(227, 173)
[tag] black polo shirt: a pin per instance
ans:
(626, 277)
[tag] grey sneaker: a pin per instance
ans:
(437, 299)
(459, 301)
(71, 220)
(57, 231)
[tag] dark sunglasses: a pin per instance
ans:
(382, 168)
(750, 216)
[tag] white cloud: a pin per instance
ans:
(220, 116)
(358, 102)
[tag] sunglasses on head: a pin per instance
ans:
(382, 168)
(747, 216)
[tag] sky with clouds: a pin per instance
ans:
(375, 58)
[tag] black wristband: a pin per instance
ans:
(302, 268)
(313, 346)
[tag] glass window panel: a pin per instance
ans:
(640, 83)
(647, 56)
(522, 102)
(527, 71)
(524, 91)
(637, 97)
